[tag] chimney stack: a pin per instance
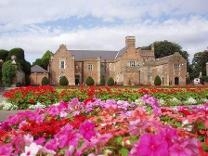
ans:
(130, 41)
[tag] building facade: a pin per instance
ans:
(128, 66)
(37, 75)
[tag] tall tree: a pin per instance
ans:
(3, 54)
(44, 61)
(20, 59)
(199, 63)
(18, 52)
(165, 48)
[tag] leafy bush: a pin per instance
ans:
(110, 81)
(63, 81)
(45, 81)
(18, 84)
(204, 78)
(157, 81)
(8, 73)
(90, 81)
(102, 81)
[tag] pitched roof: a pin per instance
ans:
(92, 54)
(38, 69)
(121, 51)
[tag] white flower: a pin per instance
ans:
(28, 139)
(175, 101)
(190, 100)
(63, 114)
(139, 102)
(31, 150)
(205, 100)
(186, 125)
(37, 105)
(8, 106)
(185, 122)
(162, 101)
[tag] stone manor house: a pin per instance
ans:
(130, 65)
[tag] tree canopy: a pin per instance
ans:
(3, 54)
(165, 48)
(199, 63)
(18, 52)
(44, 61)
(20, 59)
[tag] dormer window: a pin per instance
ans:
(132, 63)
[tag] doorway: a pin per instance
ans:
(77, 80)
(176, 80)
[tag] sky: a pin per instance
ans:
(41, 25)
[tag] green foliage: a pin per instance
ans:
(26, 66)
(110, 81)
(8, 73)
(18, 52)
(20, 60)
(89, 81)
(44, 61)
(102, 81)
(165, 48)
(157, 81)
(63, 81)
(45, 81)
(3, 54)
(123, 151)
(204, 78)
(199, 63)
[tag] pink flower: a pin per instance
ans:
(6, 150)
(67, 136)
(150, 145)
(184, 147)
(51, 145)
(87, 129)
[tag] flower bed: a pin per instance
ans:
(24, 97)
(39, 97)
(96, 127)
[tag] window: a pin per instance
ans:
(176, 66)
(90, 67)
(62, 64)
(132, 63)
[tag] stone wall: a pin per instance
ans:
(133, 66)
(55, 69)
(36, 78)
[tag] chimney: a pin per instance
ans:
(130, 41)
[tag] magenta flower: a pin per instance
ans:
(150, 145)
(6, 150)
(153, 102)
(87, 129)
(51, 145)
(67, 136)
(184, 147)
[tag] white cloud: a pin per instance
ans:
(38, 11)
(184, 22)
(191, 35)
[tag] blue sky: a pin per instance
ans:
(37, 25)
